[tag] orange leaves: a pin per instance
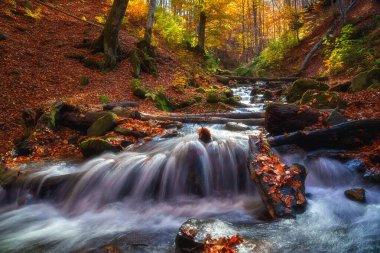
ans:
(222, 245)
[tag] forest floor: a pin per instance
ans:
(35, 71)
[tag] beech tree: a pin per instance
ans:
(150, 21)
(108, 41)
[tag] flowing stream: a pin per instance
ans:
(139, 198)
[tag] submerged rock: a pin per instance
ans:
(300, 86)
(233, 126)
(356, 194)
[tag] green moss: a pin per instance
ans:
(84, 80)
(102, 125)
(300, 86)
(104, 99)
(200, 90)
(137, 89)
(162, 102)
(322, 100)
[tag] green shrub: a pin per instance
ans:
(243, 71)
(347, 52)
(137, 89)
(84, 80)
(104, 99)
(169, 26)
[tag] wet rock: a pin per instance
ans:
(341, 87)
(335, 118)
(171, 134)
(286, 118)
(170, 124)
(365, 80)
(300, 86)
(322, 100)
(233, 126)
(102, 125)
(192, 236)
(281, 187)
(129, 131)
(267, 95)
(96, 146)
(356, 194)
(254, 91)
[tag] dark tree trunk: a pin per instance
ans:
(286, 118)
(255, 27)
(202, 31)
(108, 42)
(349, 135)
(149, 25)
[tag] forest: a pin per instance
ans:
(205, 126)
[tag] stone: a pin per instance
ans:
(102, 125)
(233, 126)
(96, 146)
(335, 118)
(322, 100)
(128, 131)
(267, 95)
(356, 194)
(300, 86)
(364, 80)
(110, 106)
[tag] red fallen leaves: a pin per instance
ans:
(139, 126)
(222, 245)
(277, 174)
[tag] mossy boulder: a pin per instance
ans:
(96, 146)
(322, 100)
(368, 79)
(102, 125)
(137, 89)
(300, 86)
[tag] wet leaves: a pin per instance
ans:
(222, 245)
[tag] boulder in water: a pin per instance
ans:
(356, 194)
(96, 146)
(300, 86)
(233, 126)
(281, 187)
(102, 125)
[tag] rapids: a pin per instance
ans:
(139, 198)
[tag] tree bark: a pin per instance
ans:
(255, 27)
(202, 30)
(349, 135)
(108, 42)
(149, 25)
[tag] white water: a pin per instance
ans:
(138, 199)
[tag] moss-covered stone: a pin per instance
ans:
(96, 146)
(213, 96)
(137, 89)
(322, 100)
(102, 125)
(300, 86)
(368, 79)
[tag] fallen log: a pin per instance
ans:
(348, 135)
(203, 119)
(229, 115)
(284, 118)
(281, 187)
(224, 79)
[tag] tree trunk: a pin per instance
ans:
(202, 31)
(349, 135)
(342, 9)
(255, 27)
(149, 25)
(108, 42)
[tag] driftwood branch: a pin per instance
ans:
(349, 135)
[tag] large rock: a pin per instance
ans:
(322, 100)
(356, 194)
(286, 118)
(197, 236)
(95, 146)
(102, 125)
(130, 131)
(300, 86)
(365, 80)
(233, 126)
(281, 187)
